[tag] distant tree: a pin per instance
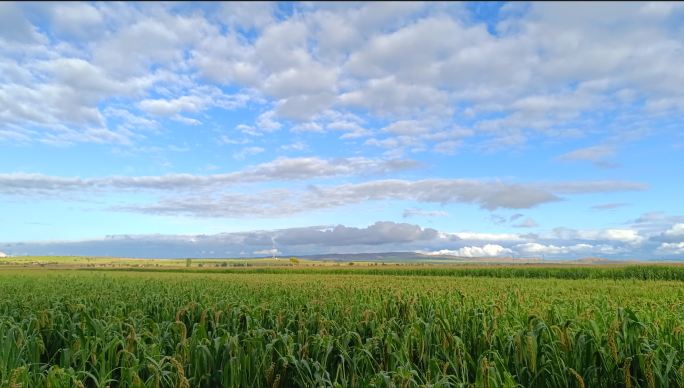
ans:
(224, 264)
(188, 262)
(351, 263)
(200, 265)
(294, 260)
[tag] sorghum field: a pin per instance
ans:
(339, 329)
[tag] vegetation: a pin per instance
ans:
(641, 272)
(308, 328)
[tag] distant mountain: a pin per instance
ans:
(599, 260)
(382, 256)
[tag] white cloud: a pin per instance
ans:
(353, 129)
(447, 147)
(248, 130)
(14, 27)
(76, 18)
(578, 249)
(418, 212)
(243, 153)
(266, 122)
(670, 249)
(379, 233)
(268, 252)
(130, 119)
(621, 235)
(307, 127)
(676, 231)
(674, 234)
(488, 250)
(501, 237)
(389, 98)
(281, 169)
(247, 15)
(226, 140)
(381, 59)
(658, 217)
(284, 202)
(596, 154)
(406, 128)
(201, 99)
(592, 153)
(299, 146)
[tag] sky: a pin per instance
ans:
(244, 129)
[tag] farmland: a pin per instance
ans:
(537, 327)
(110, 262)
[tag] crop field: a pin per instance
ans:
(328, 328)
(109, 262)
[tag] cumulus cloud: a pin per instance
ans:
(488, 250)
(200, 99)
(309, 240)
(352, 129)
(622, 235)
(377, 237)
(380, 60)
(674, 234)
(268, 252)
(267, 123)
(376, 234)
(307, 127)
(577, 249)
(670, 249)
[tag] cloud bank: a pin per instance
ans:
(381, 236)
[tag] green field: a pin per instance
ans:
(342, 328)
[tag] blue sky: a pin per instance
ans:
(227, 129)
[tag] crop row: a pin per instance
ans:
(638, 272)
(250, 330)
